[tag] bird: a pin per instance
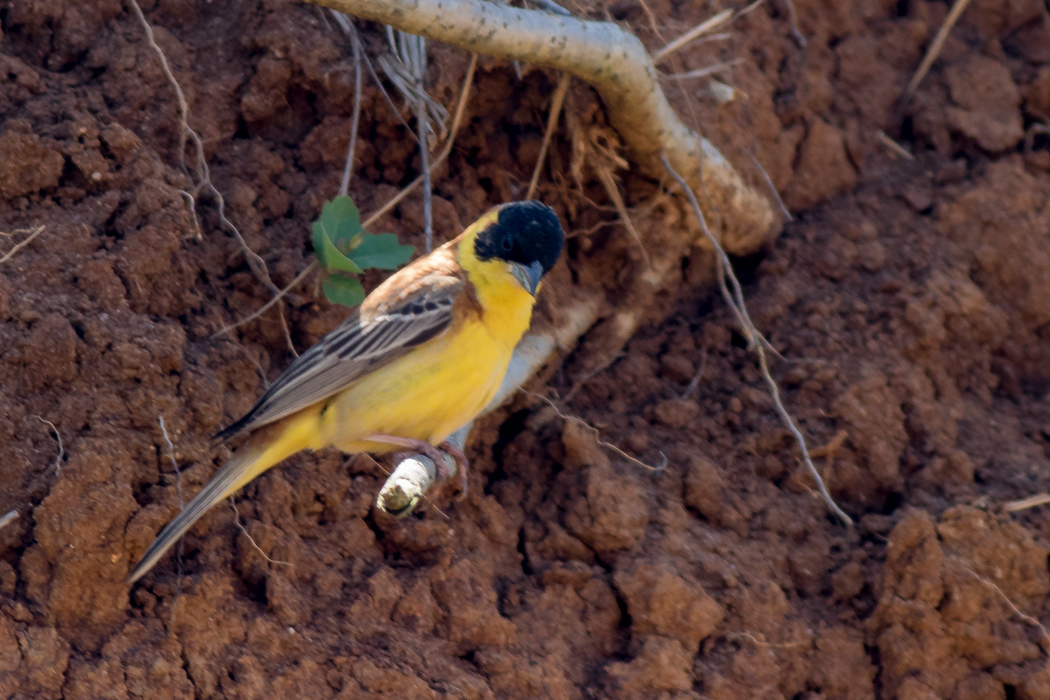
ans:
(418, 359)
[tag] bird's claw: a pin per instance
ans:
(441, 471)
(462, 467)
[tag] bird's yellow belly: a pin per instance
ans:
(426, 395)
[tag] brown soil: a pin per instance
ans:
(910, 300)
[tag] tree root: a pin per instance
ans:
(619, 67)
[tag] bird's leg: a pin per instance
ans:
(440, 466)
(462, 465)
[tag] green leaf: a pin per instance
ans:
(341, 220)
(332, 259)
(344, 290)
(334, 234)
(381, 251)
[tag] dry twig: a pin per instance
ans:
(266, 307)
(457, 119)
(8, 518)
(406, 66)
(757, 344)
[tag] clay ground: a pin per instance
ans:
(910, 300)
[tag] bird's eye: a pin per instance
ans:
(507, 244)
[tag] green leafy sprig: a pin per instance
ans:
(344, 250)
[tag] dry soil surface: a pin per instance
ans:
(910, 299)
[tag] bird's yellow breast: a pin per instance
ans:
(440, 386)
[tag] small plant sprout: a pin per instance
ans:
(345, 250)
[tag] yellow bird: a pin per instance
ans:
(419, 359)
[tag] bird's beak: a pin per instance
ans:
(528, 276)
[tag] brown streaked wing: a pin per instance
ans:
(407, 310)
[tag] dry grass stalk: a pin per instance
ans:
(1034, 501)
(708, 25)
(932, 52)
(894, 147)
(703, 72)
(8, 518)
(557, 100)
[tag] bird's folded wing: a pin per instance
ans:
(404, 312)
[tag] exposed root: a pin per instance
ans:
(793, 21)
(178, 492)
(625, 78)
(597, 435)
(756, 343)
(61, 450)
(244, 531)
(347, 27)
(33, 233)
(266, 307)
(355, 120)
(457, 120)
(203, 177)
(1044, 638)
(694, 383)
(769, 184)
(171, 457)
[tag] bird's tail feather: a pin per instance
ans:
(262, 451)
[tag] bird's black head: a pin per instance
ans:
(527, 235)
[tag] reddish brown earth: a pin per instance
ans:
(910, 300)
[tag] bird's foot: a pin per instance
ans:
(462, 466)
(441, 469)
